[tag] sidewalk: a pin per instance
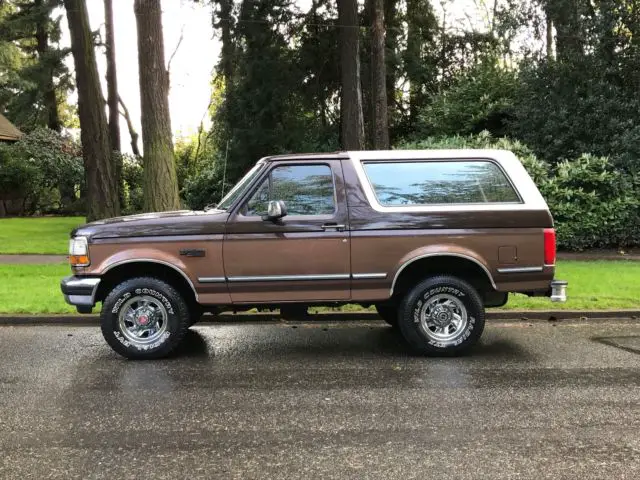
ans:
(32, 259)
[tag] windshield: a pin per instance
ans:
(240, 187)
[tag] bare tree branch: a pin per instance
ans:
(132, 131)
(176, 49)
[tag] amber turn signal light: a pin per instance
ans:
(79, 260)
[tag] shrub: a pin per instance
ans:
(132, 179)
(594, 205)
(51, 164)
(479, 99)
(203, 188)
(563, 110)
(19, 182)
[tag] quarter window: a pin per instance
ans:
(439, 182)
(305, 189)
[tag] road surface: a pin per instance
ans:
(320, 400)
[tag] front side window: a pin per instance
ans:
(439, 182)
(305, 189)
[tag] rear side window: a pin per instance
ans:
(439, 182)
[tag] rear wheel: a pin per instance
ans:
(144, 318)
(442, 316)
(388, 312)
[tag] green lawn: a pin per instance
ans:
(597, 285)
(33, 289)
(592, 286)
(48, 235)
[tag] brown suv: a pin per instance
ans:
(430, 238)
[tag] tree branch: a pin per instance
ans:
(176, 49)
(132, 131)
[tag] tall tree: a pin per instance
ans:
(43, 81)
(393, 30)
(225, 23)
(112, 79)
(352, 121)
(378, 78)
(420, 57)
(100, 178)
(160, 184)
(566, 17)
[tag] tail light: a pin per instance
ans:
(549, 246)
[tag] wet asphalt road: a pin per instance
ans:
(323, 401)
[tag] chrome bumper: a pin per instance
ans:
(558, 291)
(80, 291)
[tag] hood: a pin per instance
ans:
(180, 222)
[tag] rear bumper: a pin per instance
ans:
(80, 291)
(558, 291)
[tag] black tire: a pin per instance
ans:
(195, 313)
(164, 307)
(388, 313)
(447, 298)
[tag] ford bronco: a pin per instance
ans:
(430, 238)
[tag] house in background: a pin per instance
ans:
(8, 131)
(11, 203)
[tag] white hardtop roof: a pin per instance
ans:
(501, 155)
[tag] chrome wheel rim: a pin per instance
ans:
(443, 318)
(143, 319)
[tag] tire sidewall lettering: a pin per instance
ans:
(150, 346)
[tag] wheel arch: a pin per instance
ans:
(119, 271)
(465, 265)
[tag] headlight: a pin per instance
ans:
(79, 252)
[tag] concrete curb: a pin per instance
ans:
(513, 315)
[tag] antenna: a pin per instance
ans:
(224, 170)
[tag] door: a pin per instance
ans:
(304, 256)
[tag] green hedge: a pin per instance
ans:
(594, 205)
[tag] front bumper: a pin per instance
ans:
(80, 291)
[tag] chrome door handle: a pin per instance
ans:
(333, 226)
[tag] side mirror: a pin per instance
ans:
(276, 209)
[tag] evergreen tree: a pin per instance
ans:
(36, 91)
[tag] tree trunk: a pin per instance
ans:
(352, 121)
(227, 51)
(413, 61)
(378, 78)
(49, 94)
(392, 29)
(549, 38)
(112, 79)
(160, 184)
(102, 191)
(570, 35)
(112, 98)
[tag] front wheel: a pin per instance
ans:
(144, 318)
(442, 315)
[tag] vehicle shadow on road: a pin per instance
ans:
(194, 345)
